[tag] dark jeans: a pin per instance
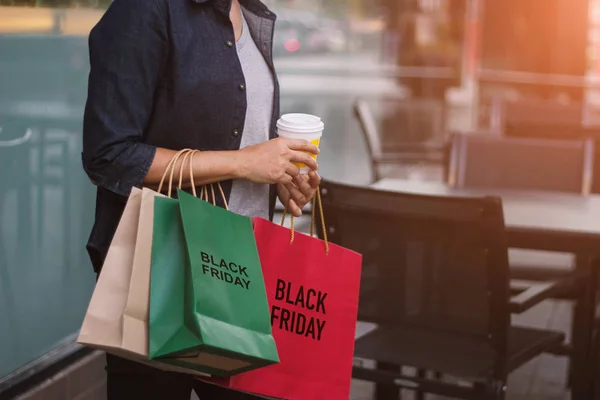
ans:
(128, 380)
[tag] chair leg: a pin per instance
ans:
(583, 326)
(595, 365)
(422, 374)
(387, 392)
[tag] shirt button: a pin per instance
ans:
(242, 87)
(236, 133)
(229, 43)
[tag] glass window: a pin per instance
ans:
(46, 201)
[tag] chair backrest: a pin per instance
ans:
(540, 112)
(439, 263)
(480, 160)
(400, 131)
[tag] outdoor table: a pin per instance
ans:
(547, 221)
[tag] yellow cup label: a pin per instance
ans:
(316, 142)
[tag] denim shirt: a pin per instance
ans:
(164, 73)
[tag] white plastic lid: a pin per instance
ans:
(300, 123)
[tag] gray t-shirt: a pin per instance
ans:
(249, 198)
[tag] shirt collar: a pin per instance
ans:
(254, 6)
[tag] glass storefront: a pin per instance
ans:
(46, 201)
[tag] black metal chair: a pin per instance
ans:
(547, 120)
(526, 163)
(488, 161)
(508, 115)
(492, 161)
(400, 133)
(436, 282)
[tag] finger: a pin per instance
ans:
(284, 193)
(302, 145)
(314, 179)
(292, 170)
(285, 179)
(286, 198)
(304, 158)
(301, 182)
(294, 209)
(296, 194)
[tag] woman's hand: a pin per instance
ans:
(272, 161)
(299, 193)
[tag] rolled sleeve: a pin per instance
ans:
(128, 48)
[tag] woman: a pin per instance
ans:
(173, 74)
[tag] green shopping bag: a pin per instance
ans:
(208, 300)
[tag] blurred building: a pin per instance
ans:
(536, 36)
(426, 33)
(594, 37)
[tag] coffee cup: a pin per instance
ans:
(301, 126)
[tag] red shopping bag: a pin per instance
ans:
(313, 296)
